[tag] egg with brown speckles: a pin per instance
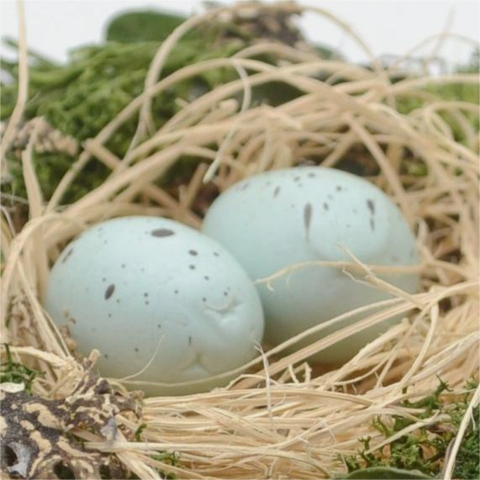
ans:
(285, 218)
(161, 302)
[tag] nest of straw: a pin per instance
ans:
(283, 419)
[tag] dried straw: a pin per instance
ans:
(281, 419)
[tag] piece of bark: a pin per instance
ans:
(36, 442)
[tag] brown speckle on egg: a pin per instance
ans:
(109, 291)
(325, 206)
(191, 267)
(307, 217)
(276, 191)
(194, 253)
(371, 206)
(67, 255)
(162, 232)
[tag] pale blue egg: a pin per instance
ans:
(135, 285)
(283, 218)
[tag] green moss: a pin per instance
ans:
(424, 449)
(81, 97)
(170, 459)
(50, 168)
(139, 431)
(14, 372)
(454, 92)
(468, 459)
(142, 26)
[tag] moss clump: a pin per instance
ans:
(454, 92)
(423, 450)
(98, 81)
(81, 97)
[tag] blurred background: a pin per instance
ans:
(389, 27)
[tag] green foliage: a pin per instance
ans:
(50, 168)
(170, 459)
(468, 459)
(421, 452)
(138, 433)
(454, 92)
(468, 462)
(14, 372)
(142, 26)
(81, 97)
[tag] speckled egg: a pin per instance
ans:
(283, 218)
(156, 297)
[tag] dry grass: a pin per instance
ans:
(283, 419)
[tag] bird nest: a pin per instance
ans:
(283, 418)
